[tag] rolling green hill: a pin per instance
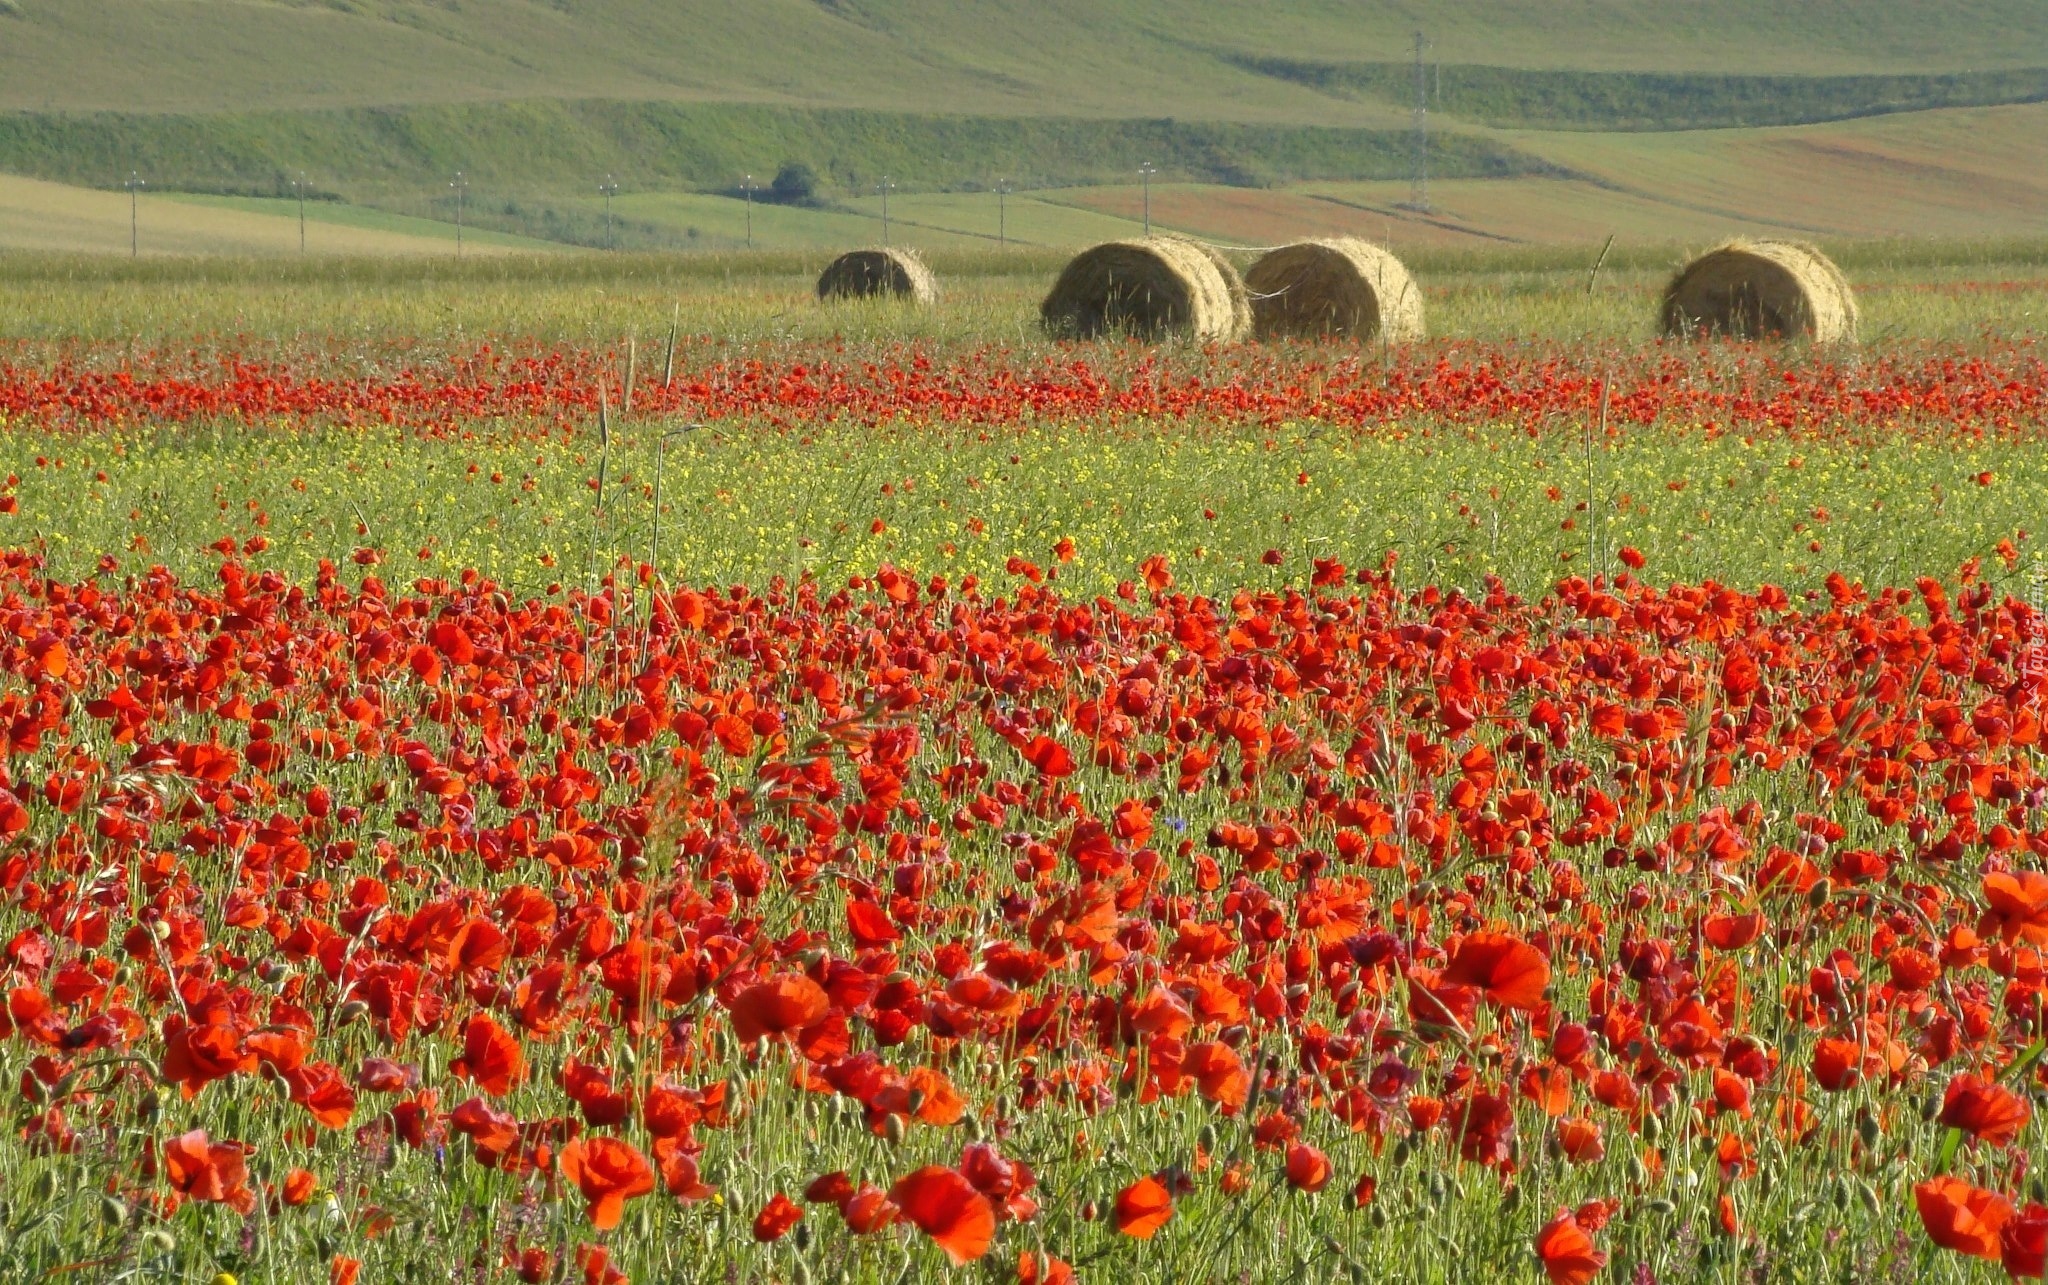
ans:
(378, 103)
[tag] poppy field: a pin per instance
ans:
(905, 807)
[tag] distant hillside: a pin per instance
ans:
(380, 102)
(1525, 98)
(1142, 58)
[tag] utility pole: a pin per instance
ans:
(1418, 186)
(750, 211)
(134, 185)
(885, 185)
(1145, 173)
(299, 190)
(610, 190)
(1002, 212)
(461, 186)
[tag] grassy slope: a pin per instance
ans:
(1110, 57)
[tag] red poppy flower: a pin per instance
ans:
(1035, 1268)
(2016, 907)
(1985, 1109)
(209, 1171)
(946, 1207)
(1567, 1252)
(299, 1186)
(490, 1056)
(1508, 970)
(869, 1210)
(609, 1173)
(1961, 1217)
(1143, 1208)
(1308, 1169)
(776, 1218)
(1580, 1141)
(2023, 1242)
(777, 1006)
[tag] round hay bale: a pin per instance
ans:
(1339, 286)
(879, 274)
(1761, 290)
(1149, 288)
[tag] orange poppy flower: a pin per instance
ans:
(1143, 1208)
(946, 1207)
(609, 1173)
(1567, 1252)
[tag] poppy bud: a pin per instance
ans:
(1660, 1207)
(1638, 1172)
(970, 1125)
(113, 1212)
(1402, 1150)
(272, 971)
(1653, 1127)
(160, 1239)
(1090, 1211)
(898, 978)
(1206, 1138)
(1818, 895)
(160, 930)
(45, 1187)
(1867, 1129)
(353, 1011)
(893, 1130)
